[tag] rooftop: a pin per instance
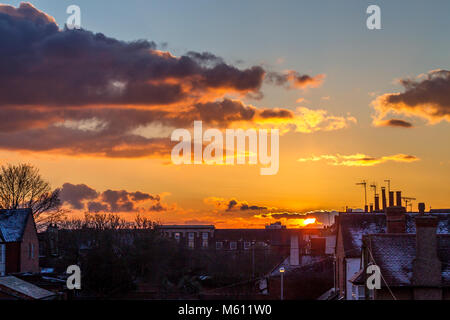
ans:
(12, 224)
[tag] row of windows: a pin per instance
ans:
(233, 245)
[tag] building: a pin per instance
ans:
(353, 227)
(19, 245)
(413, 266)
(276, 237)
(195, 236)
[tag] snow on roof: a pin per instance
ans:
(395, 253)
(12, 224)
(355, 225)
(24, 288)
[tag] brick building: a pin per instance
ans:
(19, 245)
(391, 232)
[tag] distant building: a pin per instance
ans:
(19, 245)
(195, 236)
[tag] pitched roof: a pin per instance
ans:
(23, 288)
(354, 225)
(12, 224)
(395, 253)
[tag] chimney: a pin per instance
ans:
(399, 198)
(422, 208)
(377, 203)
(391, 198)
(383, 197)
(366, 208)
(395, 219)
(294, 254)
(371, 208)
(427, 277)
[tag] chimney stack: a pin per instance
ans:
(427, 276)
(366, 208)
(294, 254)
(371, 208)
(391, 198)
(383, 198)
(422, 208)
(396, 219)
(399, 198)
(377, 203)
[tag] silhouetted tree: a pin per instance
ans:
(21, 186)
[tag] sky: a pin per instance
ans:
(95, 112)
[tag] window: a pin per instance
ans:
(32, 251)
(233, 245)
(219, 245)
(2, 253)
(247, 245)
(191, 240)
(358, 293)
(177, 236)
(205, 235)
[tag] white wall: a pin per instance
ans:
(2, 259)
(352, 267)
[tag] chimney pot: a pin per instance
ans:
(399, 198)
(383, 198)
(391, 198)
(422, 208)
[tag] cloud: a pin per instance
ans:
(427, 97)
(76, 194)
(294, 80)
(321, 216)
(232, 205)
(83, 197)
(123, 133)
(395, 123)
(76, 92)
(359, 160)
(81, 68)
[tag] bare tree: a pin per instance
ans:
(21, 186)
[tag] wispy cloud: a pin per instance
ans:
(359, 160)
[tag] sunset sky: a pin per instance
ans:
(94, 110)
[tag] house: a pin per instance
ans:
(19, 245)
(351, 227)
(413, 266)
